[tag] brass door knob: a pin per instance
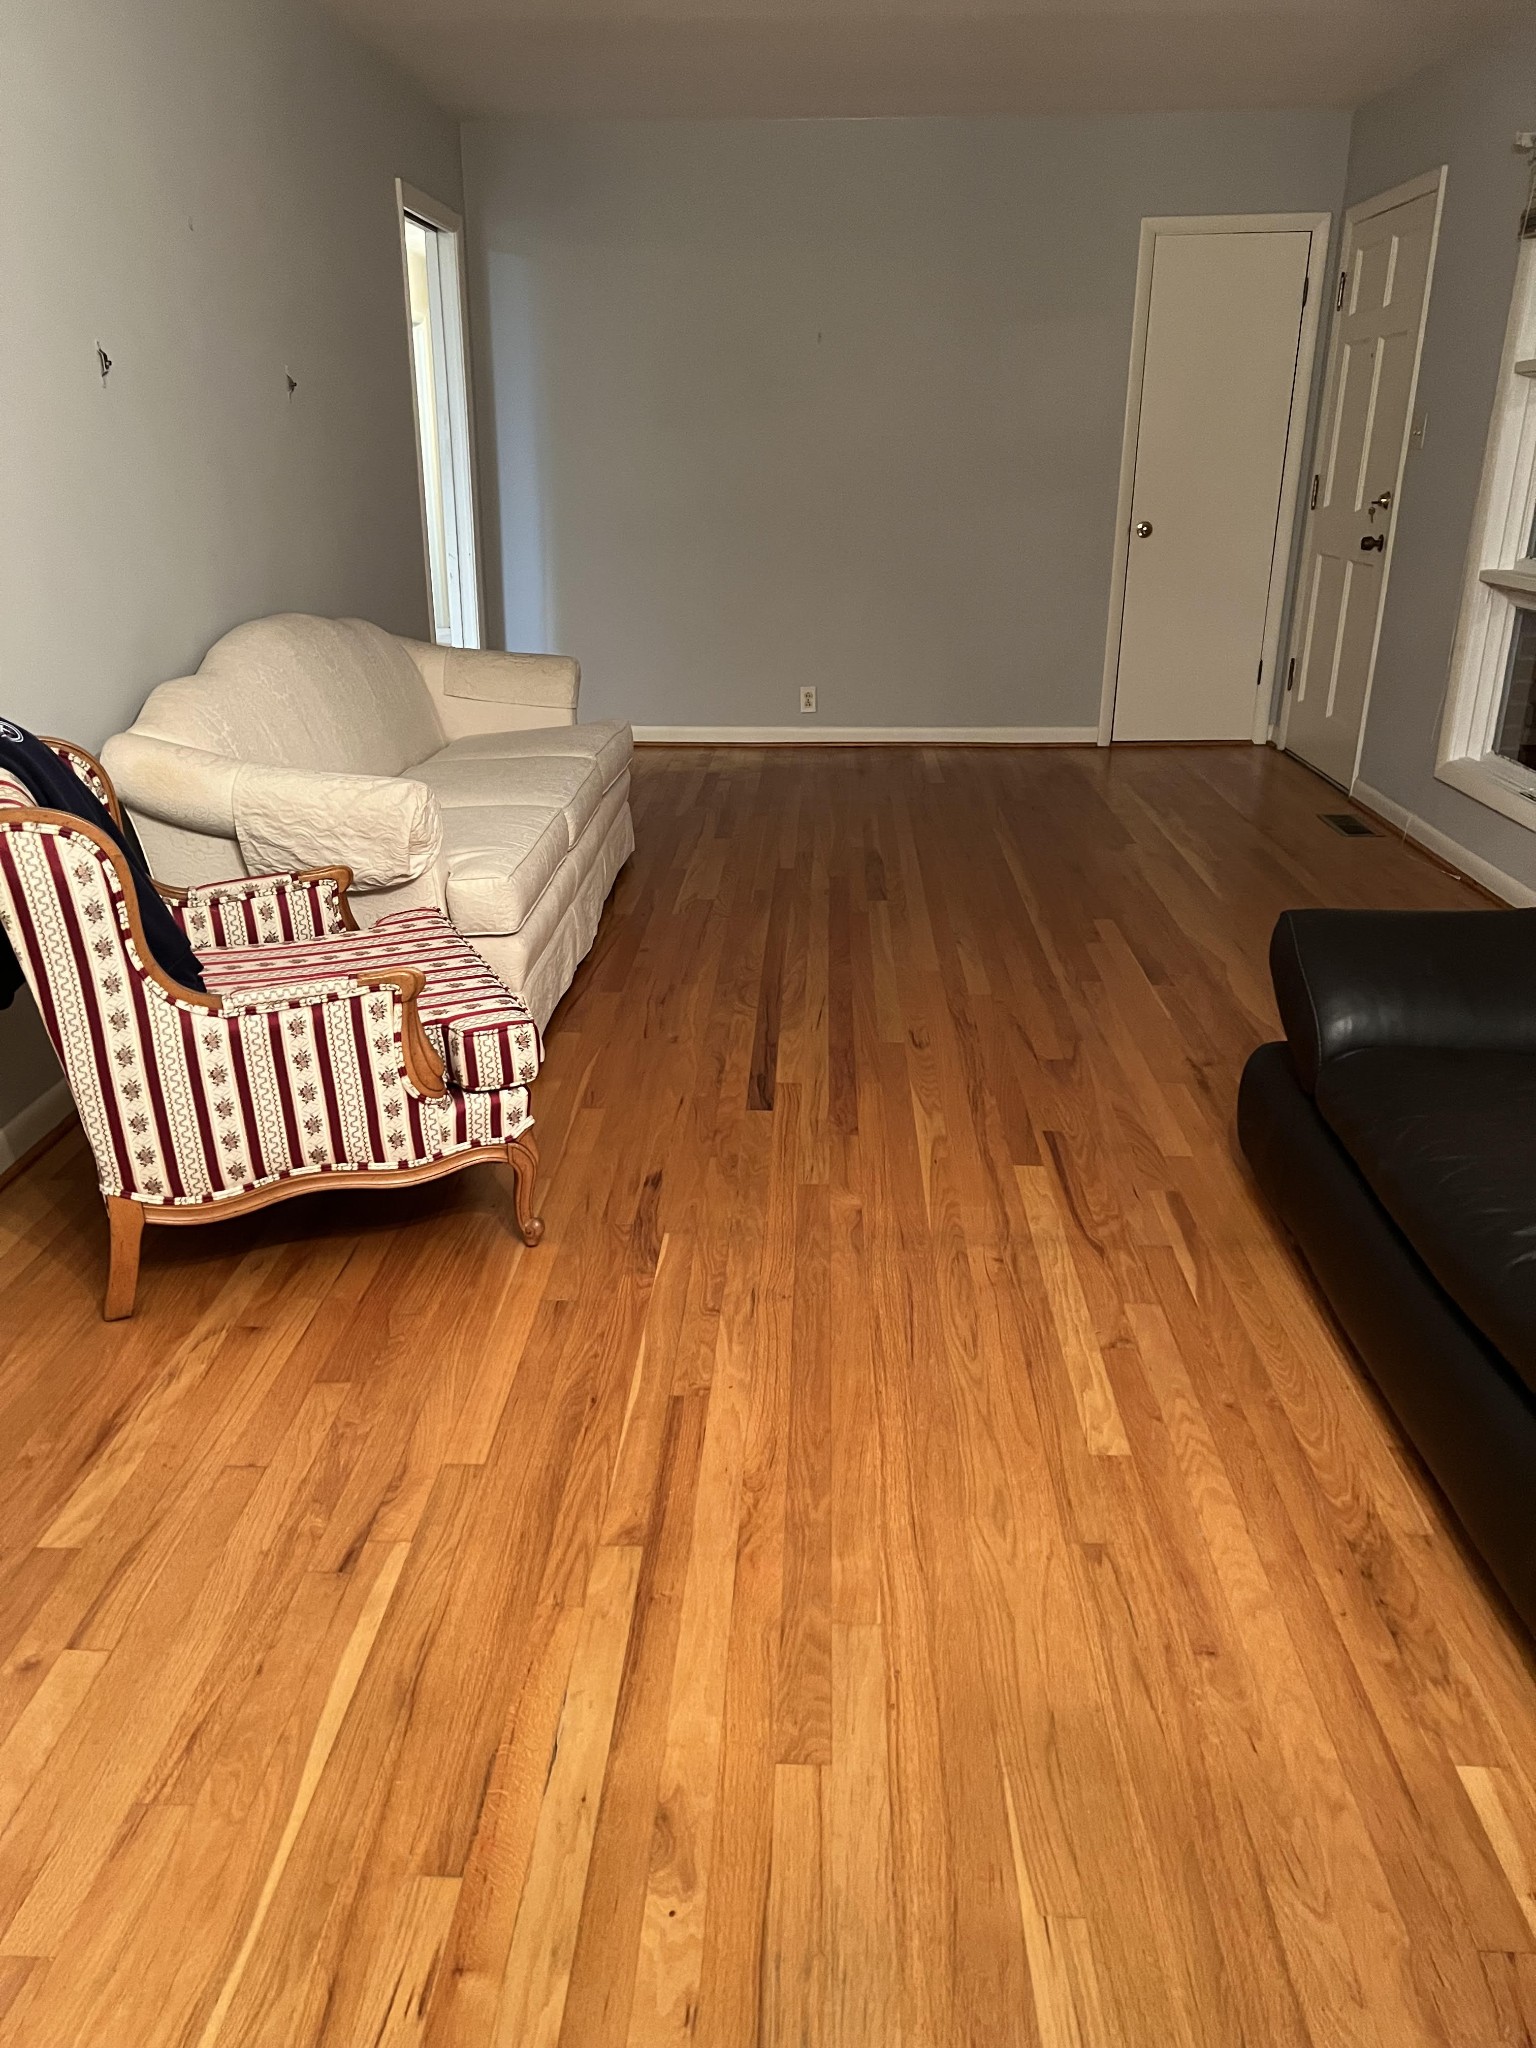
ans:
(1144, 529)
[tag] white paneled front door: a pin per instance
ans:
(1218, 402)
(1383, 295)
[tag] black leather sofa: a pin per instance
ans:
(1394, 1134)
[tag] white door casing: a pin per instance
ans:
(1220, 373)
(1386, 269)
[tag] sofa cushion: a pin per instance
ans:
(608, 743)
(542, 781)
(1447, 1142)
(302, 692)
(499, 860)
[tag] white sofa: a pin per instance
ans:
(439, 776)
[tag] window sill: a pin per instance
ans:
(1508, 789)
(1517, 583)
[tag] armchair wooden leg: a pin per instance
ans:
(125, 1220)
(523, 1158)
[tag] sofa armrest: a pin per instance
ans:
(477, 690)
(1451, 980)
(387, 829)
(177, 785)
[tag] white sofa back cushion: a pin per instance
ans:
(302, 692)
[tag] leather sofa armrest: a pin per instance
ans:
(1450, 980)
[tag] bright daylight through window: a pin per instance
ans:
(1488, 740)
(435, 296)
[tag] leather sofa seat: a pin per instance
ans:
(1447, 1143)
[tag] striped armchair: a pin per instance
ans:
(319, 1053)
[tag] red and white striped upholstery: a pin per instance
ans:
(185, 1104)
(261, 910)
(484, 1036)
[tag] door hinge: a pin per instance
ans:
(1260, 683)
(1312, 501)
(1306, 287)
(1290, 676)
(1343, 280)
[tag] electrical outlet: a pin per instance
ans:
(808, 700)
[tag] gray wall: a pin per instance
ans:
(207, 188)
(831, 402)
(1464, 114)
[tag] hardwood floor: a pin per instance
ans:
(907, 1563)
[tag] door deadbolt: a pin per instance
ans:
(1144, 529)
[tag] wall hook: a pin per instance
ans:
(292, 382)
(105, 361)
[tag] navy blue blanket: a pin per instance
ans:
(56, 787)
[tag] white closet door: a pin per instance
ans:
(1223, 333)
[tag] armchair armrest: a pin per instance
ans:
(480, 690)
(387, 829)
(1450, 980)
(258, 910)
(415, 1062)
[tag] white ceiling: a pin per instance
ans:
(912, 56)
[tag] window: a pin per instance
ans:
(431, 240)
(1488, 741)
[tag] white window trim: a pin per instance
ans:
(408, 201)
(1506, 511)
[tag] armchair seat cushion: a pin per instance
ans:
(606, 744)
(483, 1034)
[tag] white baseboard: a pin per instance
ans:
(1472, 865)
(867, 735)
(33, 1124)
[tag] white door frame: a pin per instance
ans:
(1421, 187)
(432, 211)
(1317, 225)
